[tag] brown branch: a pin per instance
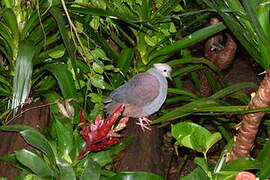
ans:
(249, 126)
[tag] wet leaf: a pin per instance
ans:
(34, 162)
(98, 81)
(98, 67)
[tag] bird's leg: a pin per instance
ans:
(144, 123)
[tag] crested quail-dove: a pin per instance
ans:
(142, 95)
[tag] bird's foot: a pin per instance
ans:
(144, 123)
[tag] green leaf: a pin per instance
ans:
(188, 40)
(135, 176)
(98, 81)
(64, 79)
(264, 157)
(9, 158)
(11, 21)
(182, 92)
(232, 89)
(16, 128)
(34, 162)
(191, 135)
(213, 139)
(187, 69)
(225, 175)
(242, 164)
(66, 170)
(101, 41)
(91, 170)
(98, 67)
(95, 98)
(71, 50)
(203, 164)
(23, 73)
(186, 110)
(64, 139)
(105, 157)
(36, 139)
(198, 173)
(124, 63)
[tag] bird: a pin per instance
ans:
(142, 95)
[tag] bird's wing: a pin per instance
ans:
(140, 90)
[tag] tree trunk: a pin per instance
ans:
(144, 154)
(249, 126)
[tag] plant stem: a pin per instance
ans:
(250, 123)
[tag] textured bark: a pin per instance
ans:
(144, 154)
(221, 57)
(38, 118)
(250, 122)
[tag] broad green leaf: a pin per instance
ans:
(34, 162)
(66, 170)
(64, 139)
(99, 54)
(91, 170)
(135, 176)
(225, 175)
(241, 164)
(52, 97)
(3, 178)
(203, 164)
(98, 67)
(57, 53)
(213, 139)
(64, 79)
(191, 135)
(36, 139)
(23, 73)
(198, 173)
(98, 81)
(16, 128)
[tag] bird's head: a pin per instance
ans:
(164, 69)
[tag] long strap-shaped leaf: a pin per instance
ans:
(23, 73)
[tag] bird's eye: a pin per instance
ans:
(164, 70)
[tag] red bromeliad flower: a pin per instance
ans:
(101, 134)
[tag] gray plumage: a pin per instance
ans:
(142, 95)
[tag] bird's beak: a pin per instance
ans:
(169, 76)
